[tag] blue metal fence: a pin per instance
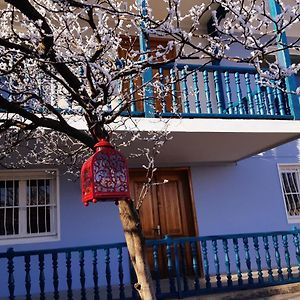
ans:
(181, 267)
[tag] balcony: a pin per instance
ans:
(224, 112)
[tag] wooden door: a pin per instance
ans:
(174, 204)
(166, 208)
(149, 210)
(132, 43)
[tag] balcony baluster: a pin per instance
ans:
(10, 269)
(249, 94)
(217, 264)
(195, 266)
(228, 93)
(297, 247)
(162, 91)
(196, 92)
(95, 274)
(108, 274)
(183, 266)
(82, 275)
(132, 95)
(27, 277)
(227, 262)
(42, 276)
(237, 261)
(239, 93)
(218, 92)
(156, 269)
(185, 93)
(277, 257)
(173, 91)
(206, 264)
(170, 268)
(207, 92)
(278, 96)
(270, 101)
(258, 259)
(268, 259)
(55, 277)
(248, 260)
(121, 275)
(287, 256)
(259, 96)
(69, 275)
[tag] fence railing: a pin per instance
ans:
(200, 265)
(210, 91)
(68, 273)
(180, 267)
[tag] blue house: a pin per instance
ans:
(222, 214)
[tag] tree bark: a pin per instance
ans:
(136, 247)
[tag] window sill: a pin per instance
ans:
(29, 239)
(293, 220)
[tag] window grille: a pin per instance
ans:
(9, 207)
(290, 184)
(28, 205)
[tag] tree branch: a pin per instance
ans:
(11, 107)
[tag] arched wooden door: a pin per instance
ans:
(167, 207)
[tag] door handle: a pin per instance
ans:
(157, 229)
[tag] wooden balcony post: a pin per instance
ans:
(285, 61)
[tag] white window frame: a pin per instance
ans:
(282, 168)
(33, 174)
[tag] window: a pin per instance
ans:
(28, 205)
(290, 185)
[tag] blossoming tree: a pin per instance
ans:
(69, 61)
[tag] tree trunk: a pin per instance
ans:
(136, 247)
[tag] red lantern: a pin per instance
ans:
(104, 176)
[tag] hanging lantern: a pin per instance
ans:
(104, 176)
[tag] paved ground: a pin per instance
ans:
(284, 292)
(290, 296)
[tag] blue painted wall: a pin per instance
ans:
(243, 197)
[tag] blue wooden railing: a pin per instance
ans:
(201, 265)
(210, 91)
(181, 267)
